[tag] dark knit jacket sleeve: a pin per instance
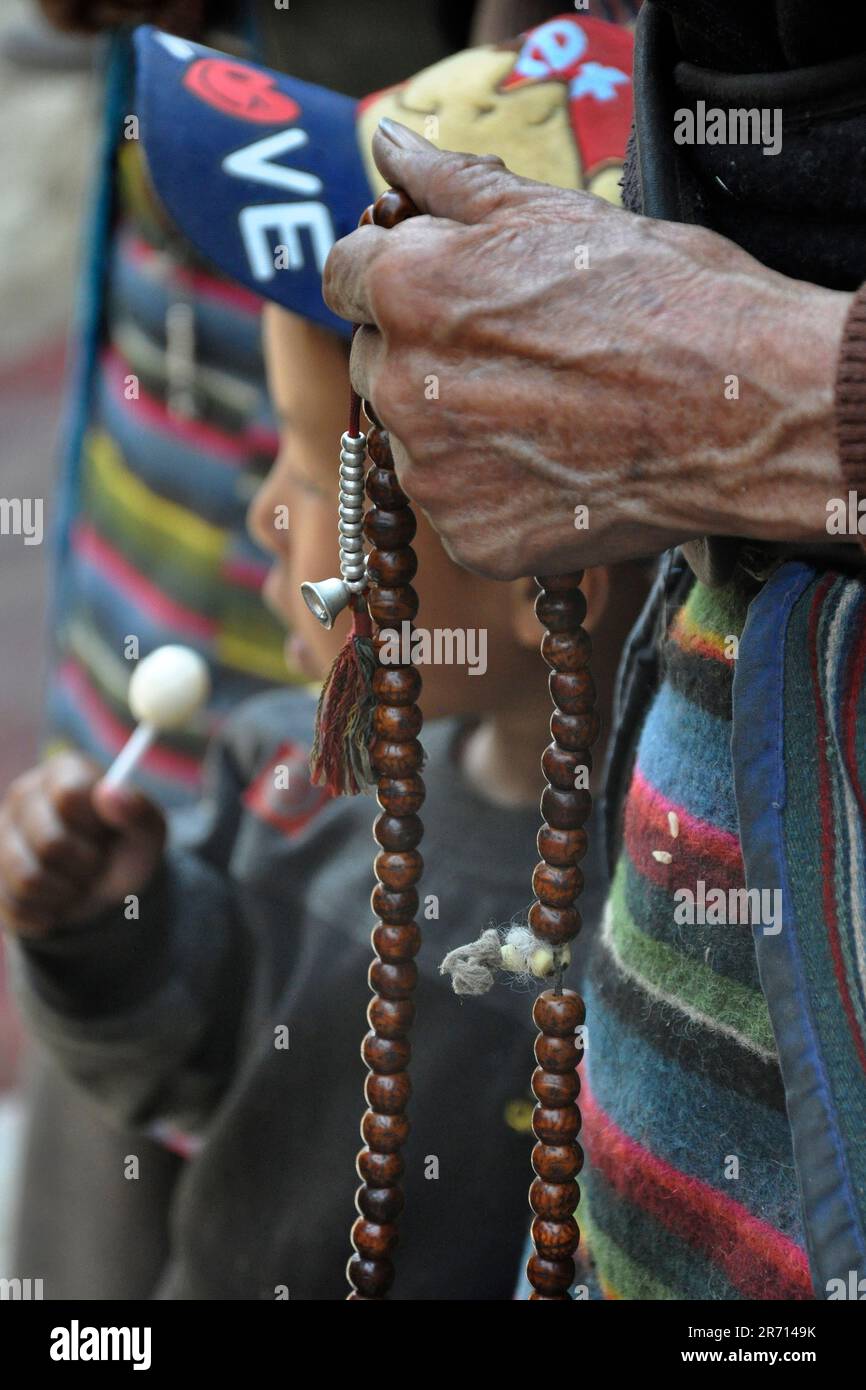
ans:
(851, 397)
(143, 1007)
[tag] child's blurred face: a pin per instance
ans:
(308, 374)
(304, 369)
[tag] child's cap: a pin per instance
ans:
(263, 173)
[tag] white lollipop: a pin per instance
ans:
(166, 690)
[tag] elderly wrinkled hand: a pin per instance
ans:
(567, 383)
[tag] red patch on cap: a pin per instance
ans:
(239, 90)
(593, 60)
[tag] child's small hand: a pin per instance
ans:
(70, 848)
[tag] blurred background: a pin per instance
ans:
(49, 94)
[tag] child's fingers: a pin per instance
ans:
(25, 881)
(128, 811)
(25, 921)
(69, 782)
(61, 850)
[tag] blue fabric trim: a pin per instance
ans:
(832, 1218)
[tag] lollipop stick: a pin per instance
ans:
(130, 755)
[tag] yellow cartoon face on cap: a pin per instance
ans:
(556, 105)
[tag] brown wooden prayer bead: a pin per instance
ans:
(384, 1133)
(388, 531)
(394, 606)
(397, 832)
(555, 1240)
(393, 206)
(572, 691)
(557, 1054)
(380, 1203)
(565, 810)
(554, 925)
(555, 1089)
(387, 567)
(390, 1019)
(393, 981)
(559, 1014)
(399, 722)
(574, 731)
(392, 759)
(566, 651)
(402, 796)
(560, 612)
(554, 886)
(550, 1277)
(394, 907)
(378, 443)
(557, 1164)
(395, 943)
(556, 1126)
(397, 685)
(379, 1170)
(396, 756)
(554, 1201)
(373, 1242)
(398, 868)
(560, 766)
(384, 490)
(561, 847)
(369, 1278)
(385, 1055)
(388, 1095)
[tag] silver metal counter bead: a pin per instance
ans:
(357, 443)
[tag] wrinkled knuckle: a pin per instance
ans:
(388, 281)
(395, 396)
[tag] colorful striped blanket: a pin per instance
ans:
(690, 1190)
(724, 1096)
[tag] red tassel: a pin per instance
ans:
(340, 757)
